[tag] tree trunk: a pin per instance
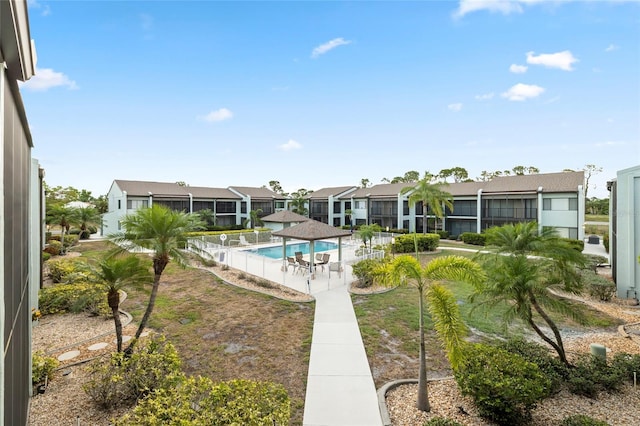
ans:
(423, 395)
(557, 345)
(113, 299)
(158, 268)
(424, 219)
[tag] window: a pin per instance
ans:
(279, 204)
(361, 205)
(226, 207)
(336, 206)
(573, 204)
(137, 204)
(119, 206)
(546, 204)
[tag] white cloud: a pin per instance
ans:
(290, 145)
(46, 78)
(44, 9)
(503, 6)
(521, 92)
(518, 69)
(562, 60)
(455, 107)
(611, 48)
(609, 143)
(484, 96)
(330, 45)
(221, 114)
(506, 7)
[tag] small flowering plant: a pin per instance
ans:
(35, 314)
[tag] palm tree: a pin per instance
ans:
(254, 215)
(526, 265)
(207, 216)
(63, 217)
(88, 216)
(163, 231)
(406, 270)
(366, 233)
(115, 273)
(430, 194)
(349, 213)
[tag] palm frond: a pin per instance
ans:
(447, 322)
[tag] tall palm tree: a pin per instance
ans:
(428, 280)
(116, 272)
(526, 265)
(163, 232)
(64, 217)
(431, 195)
(88, 216)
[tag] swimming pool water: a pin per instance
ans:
(275, 252)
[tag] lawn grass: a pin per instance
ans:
(596, 218)
(389, 326)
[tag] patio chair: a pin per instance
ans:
(303, 265)
(292, 262)
(323, 259)
(243, 241)
(298, 256)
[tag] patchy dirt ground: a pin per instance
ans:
(221, 331)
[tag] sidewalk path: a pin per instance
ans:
(340, 387)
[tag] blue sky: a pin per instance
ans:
(318, 94)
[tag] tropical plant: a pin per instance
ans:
(207, 216)
(254, 216)
(163, 231)
(63, 217)
(367, 232)
(86, 218)
(299, 201)
(348, 213)
(526, 264)
(116, 272)
(431, 195)
(406, 270)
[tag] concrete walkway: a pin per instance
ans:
(340, 388)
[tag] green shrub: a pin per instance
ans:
(200, 402)
(53, 247)
(124, 380)
(406, 243)
(441, 421)
(504, 386)
(42, 367)
(626, 365)
(74, 231)
(443, 234)
(593, 260)
(60, 268)
(598, 286)
(582, 420)
(76, 297)
(364, 271)
(605, 241)
(45, 256)
(539, 355)
(69, 240)
(577, 245)
(592, 375)
(473, 238)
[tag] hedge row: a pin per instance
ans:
(407, 243)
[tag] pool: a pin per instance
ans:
(275, 252)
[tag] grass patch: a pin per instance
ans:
(596, 218)
(224, 332)
(596, 229)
